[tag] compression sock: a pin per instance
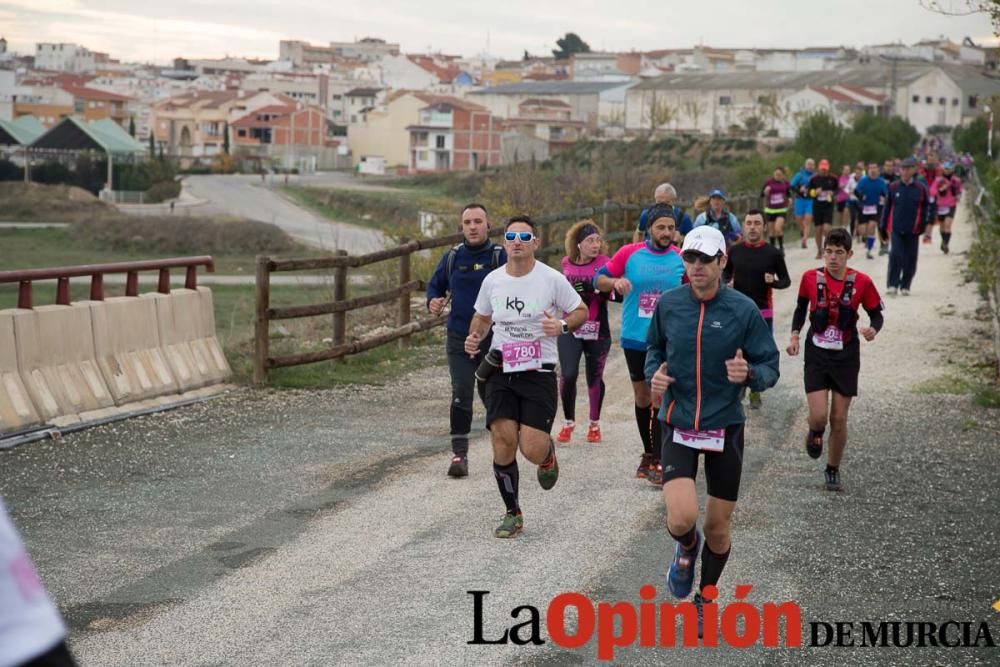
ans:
(947, 237)
(507, 482)
(688, 539)
(655, 432)
(870, 242)
(781, 242)
(712, 565)
(642, 421)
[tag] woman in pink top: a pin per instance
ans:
(946, 191)
(586, 253)
(844, 194)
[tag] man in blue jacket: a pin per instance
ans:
(458, 276)
(705, 343)
(803, 203)
(907, 211)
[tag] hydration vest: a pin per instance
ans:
(846, 317)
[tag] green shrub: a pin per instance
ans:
(162, 191)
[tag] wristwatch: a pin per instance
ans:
(565, 327)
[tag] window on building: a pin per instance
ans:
(439, 143)
(422, 156)
(337, 97)
(241, 133)
(92, 104)
(942, 101)
(78, 106)
(725, 100)
(973, 101)
(916, 99)
(929, 99)
(954, 101)
(354, 118)
(336, 113)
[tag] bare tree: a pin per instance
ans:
(659, 113)
(694, 109)
(966, 8)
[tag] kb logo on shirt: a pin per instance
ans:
(514, 303)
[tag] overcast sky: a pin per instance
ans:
(158, 31)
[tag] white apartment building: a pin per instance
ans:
(64, 58)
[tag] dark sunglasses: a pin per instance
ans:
(692, 256)
(524, 237)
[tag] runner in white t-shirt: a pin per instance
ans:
(31, 630)
(522, 300)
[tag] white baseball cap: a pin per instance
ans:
(706, 240)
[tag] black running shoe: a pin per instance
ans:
(814, 444)
(833, 479)
(459, 467)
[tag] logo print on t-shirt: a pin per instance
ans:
(514, 303)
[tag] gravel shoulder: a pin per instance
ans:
(319, 527)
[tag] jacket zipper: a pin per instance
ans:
(697, 361)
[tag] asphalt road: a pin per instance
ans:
(318, 528)
(245, 196)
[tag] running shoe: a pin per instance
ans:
(642, 472)
(944, 247)
(511, 526)
(548, 472)
(805, 244)
(833, 479)
(681, 574)
(594, 433)
(883, 251)
(869, 255)
(904, 292)
(459, 467)
(655, 475)
(698, 602)
(755, 400)
(893, 291)
(566, 433)
(814, 444)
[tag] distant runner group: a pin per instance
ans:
(697, 332)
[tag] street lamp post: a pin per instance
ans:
(989, 132)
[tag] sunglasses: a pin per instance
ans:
(700, 257)
(523, 237)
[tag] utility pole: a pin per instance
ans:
(989, 132)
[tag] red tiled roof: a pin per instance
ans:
(831, 94)
(444, 74)
(864, 92)
(94, 94)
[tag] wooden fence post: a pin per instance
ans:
(261, 329)
(404, 298)
(340, 294)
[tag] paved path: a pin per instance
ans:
(319, 528)
(245, 197)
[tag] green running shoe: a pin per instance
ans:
(548, 472)
(511, 526)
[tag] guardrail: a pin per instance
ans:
(26, 277)
(551, 245)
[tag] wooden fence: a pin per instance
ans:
(406, 325)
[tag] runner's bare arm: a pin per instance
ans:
(478, 329)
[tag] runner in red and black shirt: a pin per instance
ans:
(823, 187)
(832, 297)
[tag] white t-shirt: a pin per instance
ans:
(516, 305)
(29, 623)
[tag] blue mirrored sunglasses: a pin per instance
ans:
(524, 237)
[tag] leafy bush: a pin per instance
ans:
(162, 191)
(972, 139)
(181, 235)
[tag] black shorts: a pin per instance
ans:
(772, 217)
(950, 213)
(865, 219)
(723, 470)
(636, 362)
(822, 215)
(841, 205)
(835, 370)
(528, 397)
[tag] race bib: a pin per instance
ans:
(831, 339)
(824, 196)
(777, 199)
(589, 330)
(522, 356)
(710, 441)
(944, 210)
(869, 210)
(647, 304)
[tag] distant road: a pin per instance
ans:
(244, 196)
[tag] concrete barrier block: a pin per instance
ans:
(129, 354)
(57, 362)
(16, 409)
(186, 325)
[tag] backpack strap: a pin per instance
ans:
(848, 291)
(450, 264)
(495, 262)
(821, 289)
